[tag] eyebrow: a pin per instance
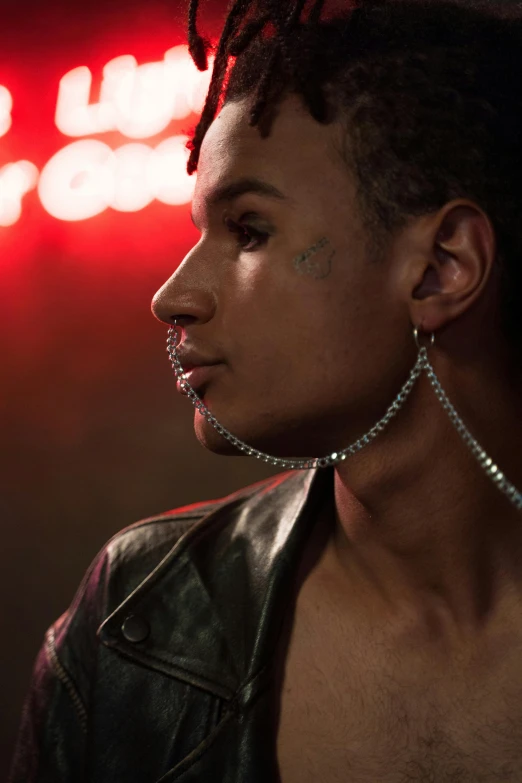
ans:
(238, 188)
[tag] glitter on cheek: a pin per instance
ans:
(315, 263)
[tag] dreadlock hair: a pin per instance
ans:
(429, 91)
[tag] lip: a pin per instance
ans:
(196, 376)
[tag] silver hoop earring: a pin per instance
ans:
(416, 333)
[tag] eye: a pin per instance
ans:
(248, 237)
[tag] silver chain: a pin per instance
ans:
(421, 364)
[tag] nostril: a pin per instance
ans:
(182, 320)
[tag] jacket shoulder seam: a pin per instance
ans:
(169, 516)
(66, 680)
(185, 522)
(197, 510)
(202, 508)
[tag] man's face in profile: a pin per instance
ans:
(281, 291)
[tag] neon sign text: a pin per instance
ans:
(139, 101)
(86, 177)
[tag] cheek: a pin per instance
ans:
(310, 360)
(271, 306)
(288, 323)
(282, 333)
(297, 285)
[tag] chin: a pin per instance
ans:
(211, 440)
(278, 442)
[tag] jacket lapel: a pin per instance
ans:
(214, 604)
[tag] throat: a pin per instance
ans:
(452, 582)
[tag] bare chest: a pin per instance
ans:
(358, 708)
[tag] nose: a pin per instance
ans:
(185, 298)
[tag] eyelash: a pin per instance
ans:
(252, 234)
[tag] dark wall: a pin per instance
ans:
(93, 433)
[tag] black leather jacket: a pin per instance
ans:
(162, 668)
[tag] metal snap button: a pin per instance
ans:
(135, 628)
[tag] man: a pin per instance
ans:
(358, 200)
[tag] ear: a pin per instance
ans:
(459, 251)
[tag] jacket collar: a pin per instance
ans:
(214, 605)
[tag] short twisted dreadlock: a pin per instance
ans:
(430, 92)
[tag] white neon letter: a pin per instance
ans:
(132, 190)
(190, 85)
(144, 102)
(78, 182)
(168, 176)
(6, 104)
(75, 116)
(16, 179)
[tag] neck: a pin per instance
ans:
(418, 523)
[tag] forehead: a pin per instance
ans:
(300, 157)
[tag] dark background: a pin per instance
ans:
(93, 434)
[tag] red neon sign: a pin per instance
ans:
(86, 176)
